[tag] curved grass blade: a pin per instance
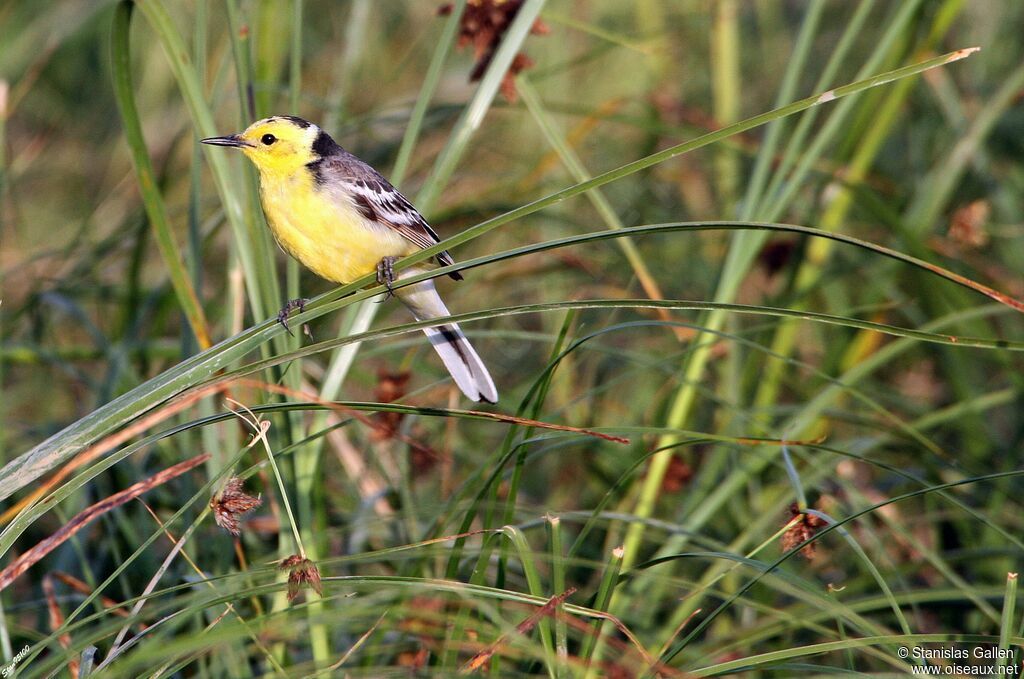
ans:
(745, 587)
(601, 204)
(473, 115)
(685, 147)
(430, 82)
(197, 369)
(120, 60)
(259, 271)
(62, 445)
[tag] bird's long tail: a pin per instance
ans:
(449, 342)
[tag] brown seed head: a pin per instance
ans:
(967, 227)
(390, 387)
(677, 475)
(303, 573)
(231, 503)
(482, 25)
(804, 529)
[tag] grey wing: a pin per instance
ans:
(379, 201)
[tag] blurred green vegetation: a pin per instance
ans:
(834, 405)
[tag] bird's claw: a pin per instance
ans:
(386, 275)
(290, 306)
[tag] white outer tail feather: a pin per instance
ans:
(450, 343)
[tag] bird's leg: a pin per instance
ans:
(290, 306)
(386, 274)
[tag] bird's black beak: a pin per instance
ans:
(230, 140)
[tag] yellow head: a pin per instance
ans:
(276, 145)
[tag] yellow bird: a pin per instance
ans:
(341, 219)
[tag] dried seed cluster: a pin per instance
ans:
(231, 503)
(482, 25)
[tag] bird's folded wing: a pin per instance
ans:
(380, 202)
(377, 200)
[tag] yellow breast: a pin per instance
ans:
(324, 230)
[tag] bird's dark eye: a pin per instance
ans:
(268, 139)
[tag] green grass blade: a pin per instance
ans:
(601, 601)
(120, 59)
(937, 187)
(258, 270)
(1006, 621)
(682, 643)
(430, 82)
(579, 173)
(685, 147)
(200, 368)
(473, 115)
(526, 559)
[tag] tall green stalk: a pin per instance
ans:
(726, 84)
(258, 270)
(120, 58)
(738, 259)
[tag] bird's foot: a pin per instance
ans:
(290, 306)
(386, 275)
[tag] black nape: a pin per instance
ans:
(324, 146)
